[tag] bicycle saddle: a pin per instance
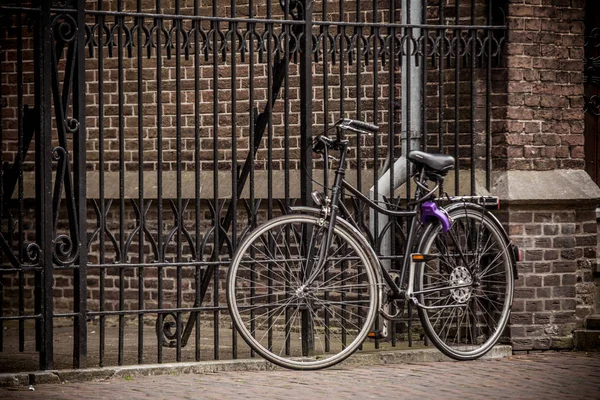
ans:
(439, 163)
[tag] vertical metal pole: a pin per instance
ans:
(101, 179)
(269, 110)
(43, 182)
(120, 87)
(197, 166)
(141, 205)
(457, 57)
(79, 176)
(1, 216)
(488, 104)
(234, 164)
(159, 170)
(20, 159)
(216, 202)
(473, 35)
(305, 141)
(179, 183)
(441, 34)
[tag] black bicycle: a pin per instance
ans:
(304, 289)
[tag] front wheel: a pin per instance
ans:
(466, 285)
(289, 310)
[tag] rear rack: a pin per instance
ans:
(491, 202)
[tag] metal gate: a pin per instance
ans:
(142, 139)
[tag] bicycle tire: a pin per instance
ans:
(471, 319)
(270, 304)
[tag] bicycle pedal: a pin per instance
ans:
(377, 334)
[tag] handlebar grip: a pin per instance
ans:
(361, 125)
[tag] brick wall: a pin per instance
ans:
(555, 289)
(543, 121)
(550, 215)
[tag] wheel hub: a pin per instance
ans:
(460, 276)
(302, 291)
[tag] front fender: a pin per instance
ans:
(359, 236)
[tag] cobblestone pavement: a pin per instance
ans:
(533, 376)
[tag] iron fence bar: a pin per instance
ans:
(176, 17)
(390, 144)
(199, 252)
(207, 18)
(44, 182)
(457, 98)
(217, 216)
(344, 264)
(442, 34)
(375, 33)
(269, 110)
(159, 181)
(358, 64)
(305, 141)
(358, 32)
(488, 105)
(286, 157)
(23, 317)
(19, 175)
(424, 119)
(79, 177)
(2, 194)
(142, 219)
(234, 164)
(473, 34)
(409, 133)
(38, 85)
(179, 217)
(24, 268)
(101, 182)
(325, 31)
(156, 311)
(28, 122)
(121, 126)
(250, 160)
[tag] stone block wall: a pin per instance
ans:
(555, 289)
(550, 202)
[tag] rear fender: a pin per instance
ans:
(513, 250)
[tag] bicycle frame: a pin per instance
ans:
(334, 205)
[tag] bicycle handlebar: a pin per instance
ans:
(322, 142)
(352, 123)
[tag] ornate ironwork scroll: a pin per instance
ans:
(65, 33)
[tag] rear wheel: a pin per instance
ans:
(287, 319)
(466, 286)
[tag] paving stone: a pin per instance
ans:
(544, 375)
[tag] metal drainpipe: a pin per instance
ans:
(414, 98)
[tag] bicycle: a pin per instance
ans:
(304, 289)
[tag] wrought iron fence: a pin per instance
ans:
(143, 139)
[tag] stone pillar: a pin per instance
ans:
(549, 199)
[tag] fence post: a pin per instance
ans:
(79, 178)
(305, 144)
(43, 171)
